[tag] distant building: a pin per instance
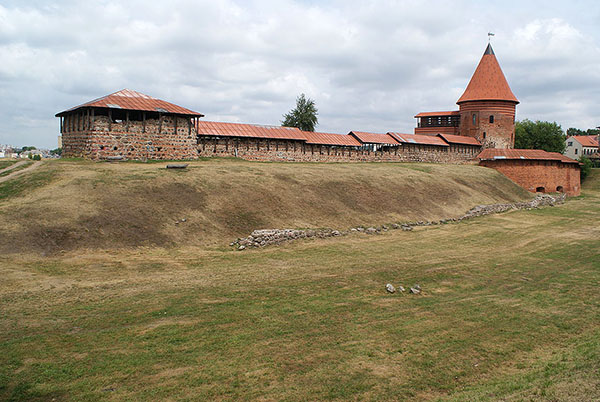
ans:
(581, 145)
(486, 112)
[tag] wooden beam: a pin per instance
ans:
(127, 121)
(92, 120)
(143, 122)
(159, 122)
(109, 120)
(175, 124)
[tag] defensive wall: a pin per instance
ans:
(535, 170)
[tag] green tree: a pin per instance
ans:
(57, 151)
(586, 166)
(575, 131)
(539, 135)
(303, 116)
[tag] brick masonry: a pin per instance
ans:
(99, 138)
(297, 151)
(499, 133)
(539, 175)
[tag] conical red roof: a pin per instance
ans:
(488, 81)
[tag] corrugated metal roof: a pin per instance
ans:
(218, 129)
(127, 99)
(586, 140)
(488, 82)
(373, 138)
(331, 139)
(459, 139)
(436, 114)
(526, 154)
(419, 139)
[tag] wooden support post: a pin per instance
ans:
(189, 126)
(109, 119)
(175, 124)
(92, 120)
(127, 121)
(143, 122)
(159, 122)
(61, 124)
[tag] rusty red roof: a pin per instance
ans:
(459, 139)
(526, 154)
(213, 128)
(488, 81)
(586, 140)
(331, 139)
(373, 138)
(127, 99)
(419, 139)
(436, 114)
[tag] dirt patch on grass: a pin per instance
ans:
(83, 205)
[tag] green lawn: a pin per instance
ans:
(510, 310)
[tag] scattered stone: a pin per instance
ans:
(241, 247)
(390, 288)
(183, 220)
(177, 165)
(415, 291)
(264, 237)
(401, 288)
(417, 287)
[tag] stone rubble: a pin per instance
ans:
(265, 237)
(390, 288)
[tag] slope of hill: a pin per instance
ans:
(69, 205)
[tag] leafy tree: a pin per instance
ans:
(37, 157)
(539, 135)
(57, 151)
(303, 116)
(575, 131)
(586, 166)
(27, 148)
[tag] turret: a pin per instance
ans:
(488, 106)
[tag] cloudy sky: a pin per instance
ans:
(369, 65)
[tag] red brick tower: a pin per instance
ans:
(488, 106)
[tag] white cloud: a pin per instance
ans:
(369, 65)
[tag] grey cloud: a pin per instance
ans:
(369, 65)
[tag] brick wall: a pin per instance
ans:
(497, 134)
(552, 176)
(297, 151)
(165, 138)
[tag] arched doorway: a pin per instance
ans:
(540, 190)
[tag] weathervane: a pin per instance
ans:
(490, 34)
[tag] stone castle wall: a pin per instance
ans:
(297, 151)
(97, 139)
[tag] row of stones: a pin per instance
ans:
(265, 237)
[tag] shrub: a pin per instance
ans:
(586, 166)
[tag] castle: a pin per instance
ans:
(128, 125)
(486, 112)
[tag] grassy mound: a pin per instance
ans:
(509, 308)
(68, 205)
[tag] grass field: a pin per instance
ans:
(510, 305)
(6, 162)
